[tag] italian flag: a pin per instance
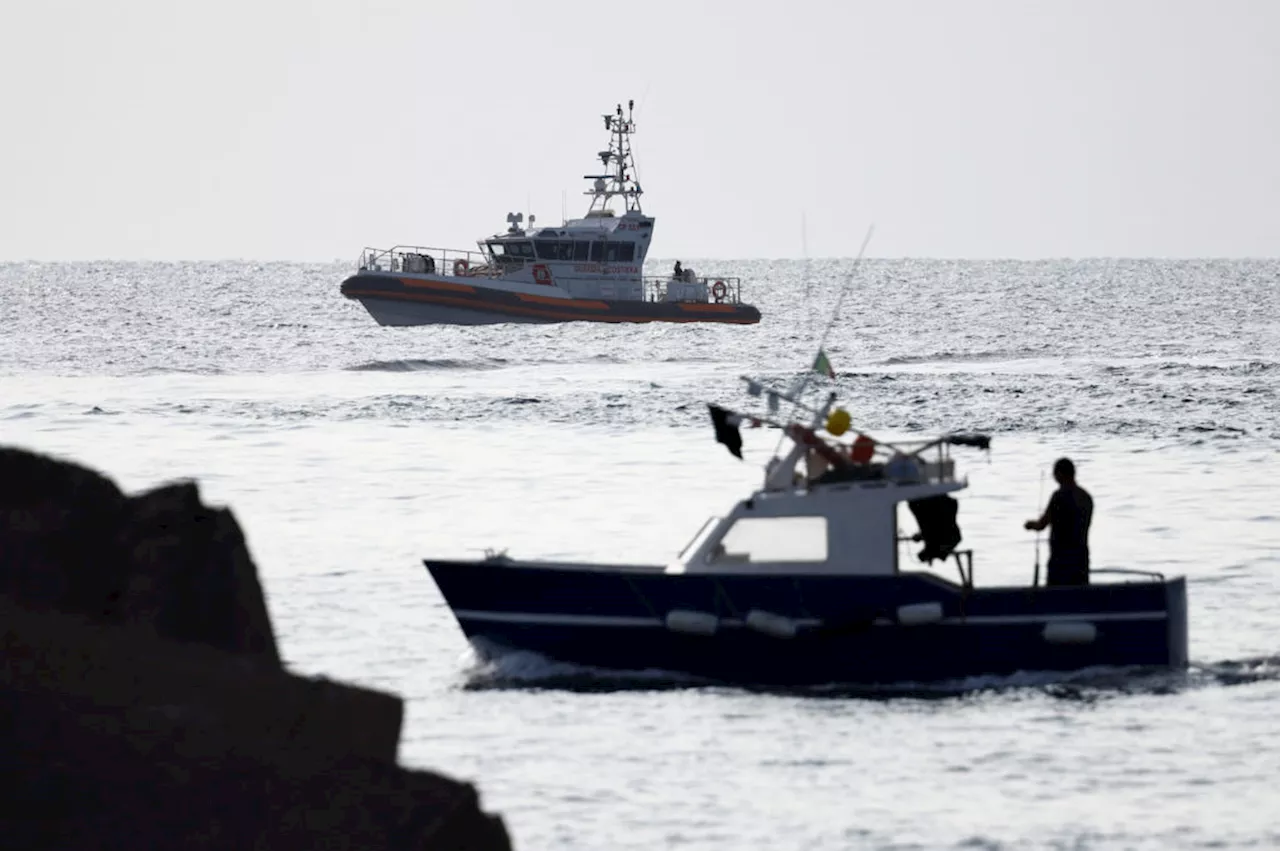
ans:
(822, 366)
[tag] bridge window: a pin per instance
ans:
(772, 540)
(582, 251)
(551, 249)
(519, 249)
(619, 252)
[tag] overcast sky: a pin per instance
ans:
(155, 129)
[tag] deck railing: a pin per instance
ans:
(717, 290)
(447, 261)
(434, 261)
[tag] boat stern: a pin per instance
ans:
(1175, 595)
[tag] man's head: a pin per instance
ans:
(1064, 472)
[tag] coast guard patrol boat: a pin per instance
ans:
(589, 269)
(802, 583)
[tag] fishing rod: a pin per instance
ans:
(835, 316)
(1035, 582)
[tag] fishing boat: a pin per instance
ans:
(589, 269)
(805, 581)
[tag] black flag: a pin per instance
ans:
(726, 423)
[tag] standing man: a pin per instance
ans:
(1068, 516)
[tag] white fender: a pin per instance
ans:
(691, 622)
(1070, 632)
(779, 626)
(915, 614)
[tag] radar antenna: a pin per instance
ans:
(618, 178)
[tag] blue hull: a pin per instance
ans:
(847, 628)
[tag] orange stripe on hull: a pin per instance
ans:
(563, 302)
(437, 285)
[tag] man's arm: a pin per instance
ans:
(1042, 521)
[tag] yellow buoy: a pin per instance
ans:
(838, 422)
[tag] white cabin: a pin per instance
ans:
(839, 522)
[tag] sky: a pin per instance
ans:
(284, 130)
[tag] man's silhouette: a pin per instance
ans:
(1068, 516)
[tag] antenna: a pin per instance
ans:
(618, 175)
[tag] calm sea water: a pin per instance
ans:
(350, 452)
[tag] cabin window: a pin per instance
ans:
(619, 252)
(550, 249)
(773, 540)
(519, 249)
(496, 249)
(582, 251)
(597, 252)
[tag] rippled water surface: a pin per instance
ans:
(349, 452)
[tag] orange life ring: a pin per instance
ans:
(541, 274)
(460, 267)
(718, 290)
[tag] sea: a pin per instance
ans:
(350, 452)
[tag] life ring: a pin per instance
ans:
(460, 267)
(718, 290)
(541, 274)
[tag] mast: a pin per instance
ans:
(618, 177)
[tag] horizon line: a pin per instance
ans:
(694, 258)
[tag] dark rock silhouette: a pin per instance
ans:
(143, 699)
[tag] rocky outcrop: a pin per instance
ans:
(143, 699)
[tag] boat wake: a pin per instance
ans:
(523, 670)
(532, 671)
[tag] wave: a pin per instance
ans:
(425, 365)
(964, 357)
